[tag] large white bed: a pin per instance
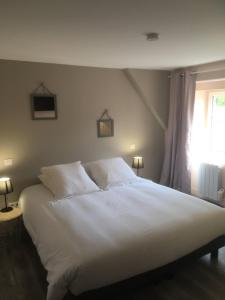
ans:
(96, 239)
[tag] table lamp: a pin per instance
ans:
(6, 187)
(137, 163)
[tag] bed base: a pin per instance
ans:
(153, 276)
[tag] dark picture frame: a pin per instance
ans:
(105, 125)
(105, 128)
(43, 107)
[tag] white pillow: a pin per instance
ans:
(66, 180)
(111, 171)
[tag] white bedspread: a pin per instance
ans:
(93, 240)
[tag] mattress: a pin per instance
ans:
(93, 240)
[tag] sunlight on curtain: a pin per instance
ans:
(199, 138)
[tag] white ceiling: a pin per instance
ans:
(107, 33)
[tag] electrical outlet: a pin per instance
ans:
(132, 147)
(8, 162)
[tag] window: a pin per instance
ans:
(208, 131)
(208, 134)
(217, 124)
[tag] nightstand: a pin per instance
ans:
(10, 227)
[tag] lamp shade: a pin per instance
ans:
(6, 186)
(138, 162)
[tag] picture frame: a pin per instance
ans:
(105, 128)
(43, 107)
(105, 125)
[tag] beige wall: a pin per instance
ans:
(210, 71)
(82, 94)
(210, 85)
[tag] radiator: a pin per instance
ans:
(209, 181)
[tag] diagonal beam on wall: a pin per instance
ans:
(140, 93)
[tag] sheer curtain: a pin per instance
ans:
(176, 166)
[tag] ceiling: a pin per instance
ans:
(107, 33)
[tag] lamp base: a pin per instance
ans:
(6, 209)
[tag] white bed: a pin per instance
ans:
(93, 240)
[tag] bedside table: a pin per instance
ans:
(10, 227)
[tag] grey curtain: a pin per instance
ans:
(176, 166)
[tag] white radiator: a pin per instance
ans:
(209, 181)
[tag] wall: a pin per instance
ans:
(210, 71)
(213, 85)
(82, 94)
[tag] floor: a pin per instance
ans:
(23, 278)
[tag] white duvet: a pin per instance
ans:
(96, 239)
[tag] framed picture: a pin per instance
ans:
(43, 107)
(105, 125)
(105, 128)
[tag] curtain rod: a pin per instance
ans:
(203, 71)
(208, 71)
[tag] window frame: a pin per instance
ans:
(210, 120)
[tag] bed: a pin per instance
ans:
(87, 242)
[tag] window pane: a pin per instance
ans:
(218, 111)
(217, 134)
(220, 100)
(218, 123)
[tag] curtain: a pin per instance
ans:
(176, 166)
